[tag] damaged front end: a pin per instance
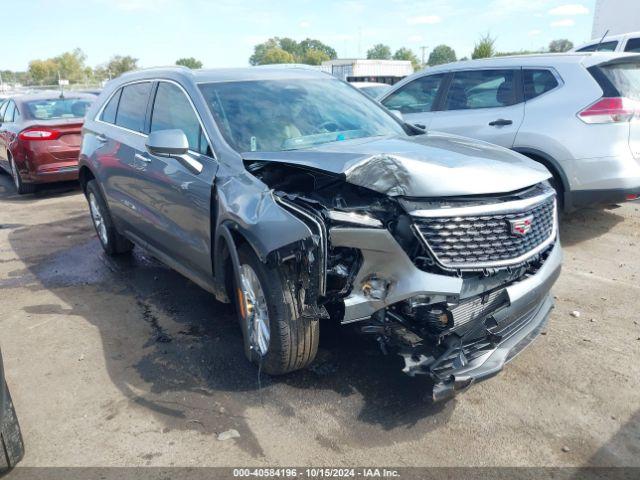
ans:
(456, 285)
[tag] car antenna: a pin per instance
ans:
(601, 40)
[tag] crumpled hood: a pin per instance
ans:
(431, 165)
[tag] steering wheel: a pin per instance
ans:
(327, 126)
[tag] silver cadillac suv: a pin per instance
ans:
(301, 200)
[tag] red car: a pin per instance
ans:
(40, 137)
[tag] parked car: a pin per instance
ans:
(40, 137)
(288, 193)
(626, 42)
(577, 114)
(11, 445)
(373, 89)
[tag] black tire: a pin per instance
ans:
(112, 242)
(11, 444)
(293, 341)
(21, 187)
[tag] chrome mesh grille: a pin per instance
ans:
(486, 241)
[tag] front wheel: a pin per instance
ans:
(112, 242)
(274, 334)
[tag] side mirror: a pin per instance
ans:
(167, 143)
(397, 114)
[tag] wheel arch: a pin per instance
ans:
(553, 166)
(85, 175)
(226, 262)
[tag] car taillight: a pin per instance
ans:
(610, 110)
(39, 133)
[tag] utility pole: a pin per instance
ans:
(423, 48)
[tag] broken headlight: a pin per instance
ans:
(354, 218)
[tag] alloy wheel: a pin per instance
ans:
(254, 310)
(98, 219)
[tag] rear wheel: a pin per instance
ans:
(21, 187)
(274, 335)
(112, 242)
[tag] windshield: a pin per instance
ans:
(57, 108)
(291, 114)
(625, 77)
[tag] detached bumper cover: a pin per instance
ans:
(516, 326)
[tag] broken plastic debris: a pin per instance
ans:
(228, 435)
(575, 314)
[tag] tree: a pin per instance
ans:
(379, 52)
(407, 54)
(309, 44)
(309, 51)
(120, 64)
(43, 72)
(71, 65)
(277, 55)
(314, 57)
(561, 45)
(484, 47)
(189, 62)
(441, 54)
(68, 66)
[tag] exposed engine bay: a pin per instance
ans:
(342, 272)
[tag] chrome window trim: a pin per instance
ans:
(144, 135)
(497, 263)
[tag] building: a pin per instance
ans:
(616, 16)
(361, 70)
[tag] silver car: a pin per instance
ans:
(303, 201)
(577, 114)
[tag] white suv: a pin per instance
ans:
(626, 42)
(577, 113)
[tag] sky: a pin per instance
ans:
(222, 33)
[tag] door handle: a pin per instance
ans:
(500, 122)
(101, 138)
(142, 158)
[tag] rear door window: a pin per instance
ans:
(133, 106)
(172, 110)
(537, 82)
(109, 112)
(600, 47)
(416, 96)
(3, 108)
(633, 45)
(473, 89)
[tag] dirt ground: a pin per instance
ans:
(126, 363)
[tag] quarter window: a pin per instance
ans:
(633, 45)
(133, 106)
(8, 115)
(537, 82)
(109, 112)
(481, 89)
(172, 110)
(416, 96)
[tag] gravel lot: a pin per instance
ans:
(126, 363)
